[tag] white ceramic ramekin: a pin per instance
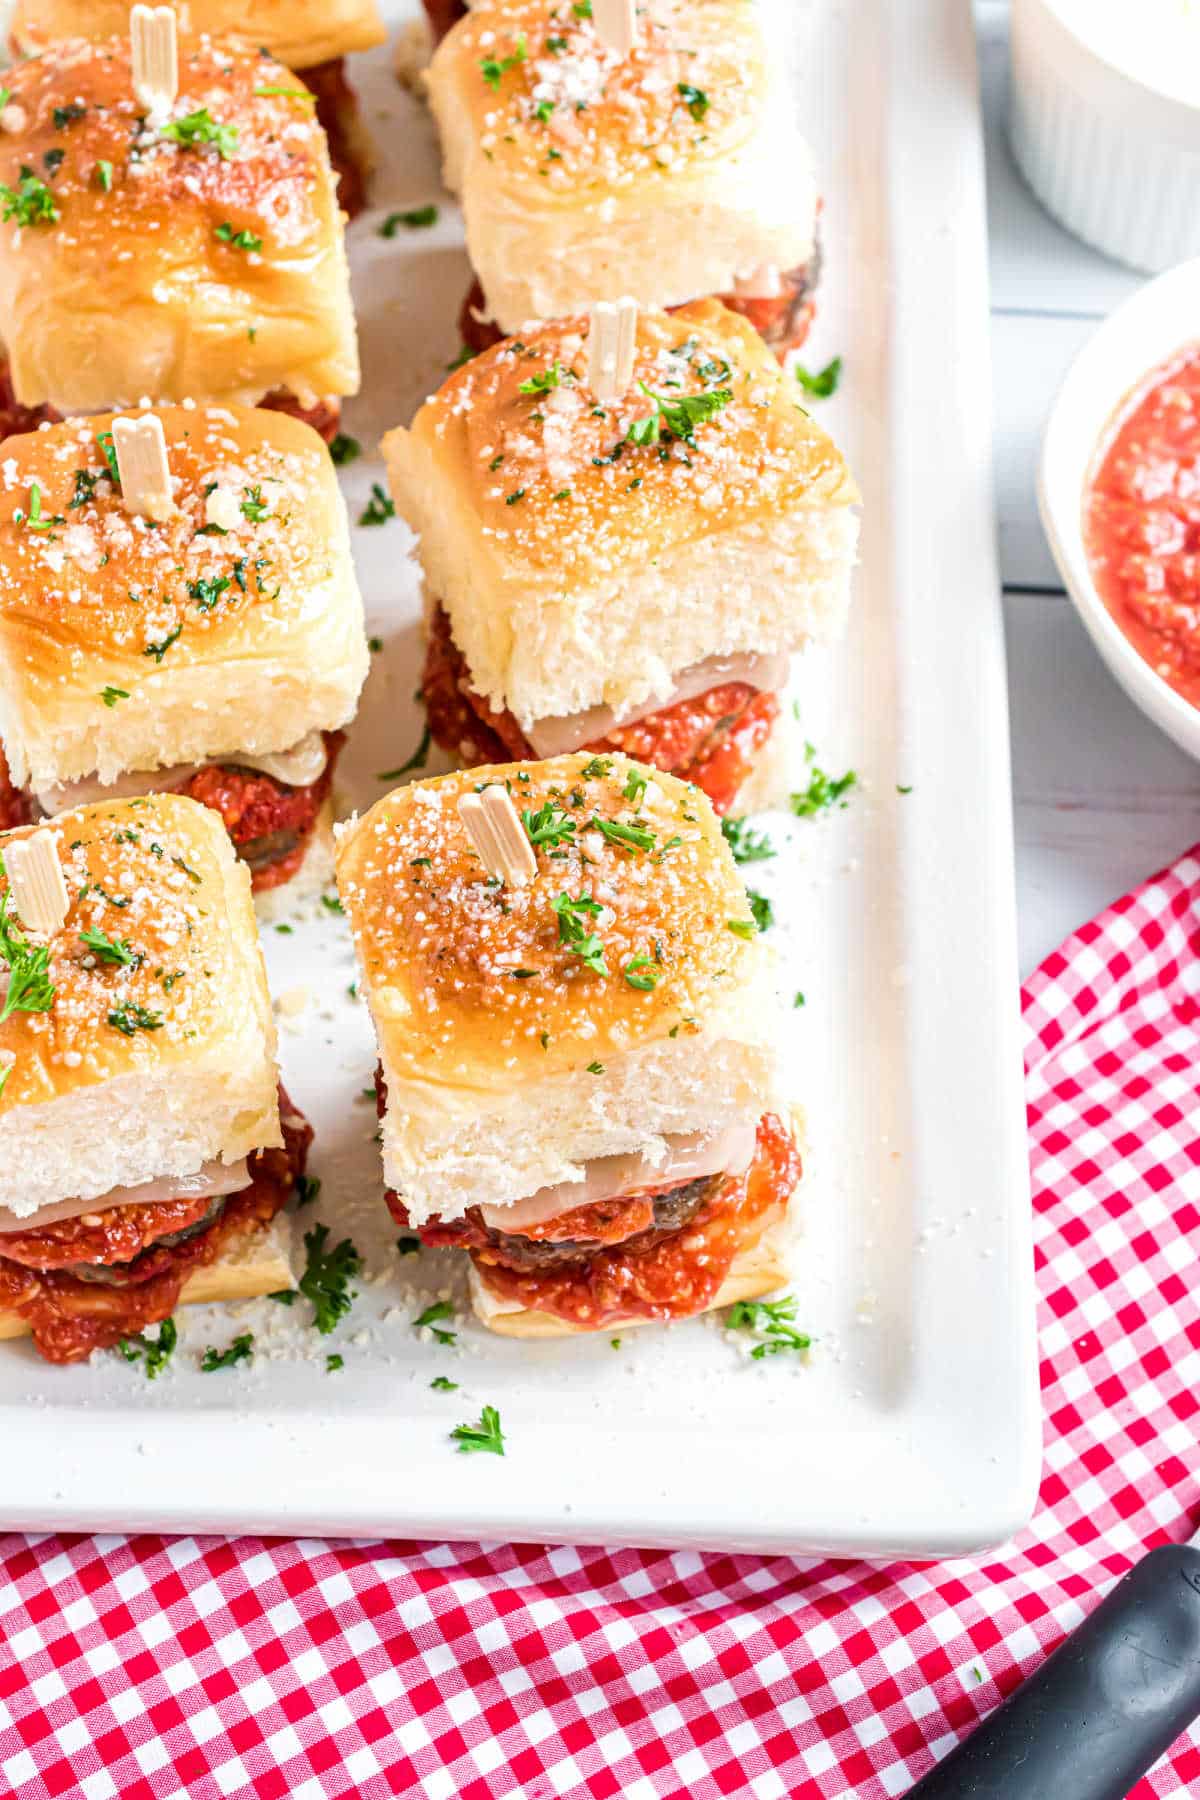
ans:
(1116, 160)
(1147, 330)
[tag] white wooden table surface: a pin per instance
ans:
(1101, 797)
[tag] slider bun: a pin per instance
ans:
(86, 1107)
(757, 1269)
(298, 32)
(500, 1084)
(279, 651)
(129, 292)
(641, 196)
(255, 1264)
(573, 594)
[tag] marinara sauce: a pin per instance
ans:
(1142, 522)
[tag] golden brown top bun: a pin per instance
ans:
(126, 644)
(555, 482)
(299, 32)
(156, 1050)
(201, 259)
(474, 979)
(536, 77)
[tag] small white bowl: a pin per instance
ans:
(1146, 331)
(1106, 128)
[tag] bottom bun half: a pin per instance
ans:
(257, 1264)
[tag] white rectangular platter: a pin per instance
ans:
(912, 1426)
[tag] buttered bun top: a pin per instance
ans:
(300, 33)
(669, 173)
(200, 258)
(235, 624)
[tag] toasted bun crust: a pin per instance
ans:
(666, 174)
(259, 1263)
(129, 293)
(271, 642)
(509, 1063)
(560, 549)
(757, 1269)
(187, 1072)
(298, 32)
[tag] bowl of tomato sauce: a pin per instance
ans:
(1119, 491)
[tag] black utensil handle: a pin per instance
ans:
(1091, 1720)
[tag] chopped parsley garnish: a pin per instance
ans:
(207, 590)
(254, 507)
(546, 380)
(108, 450)
(307, 1189)
(465, 355)
(678, 414)
(109, 950)
(641, 973)
(635, 786)
(743, 928)
(694, 98)
(615, 1342)
(418, 219)
(110, 695)
(441, 1309)
(573, 916)
(374, 645)
(334, 1362)
(104, 175)
(770, 1320)
(823, 791)
(824, 382)
(903, 790)
(548, 826)
(582, 9)
(30, 202)
(36, 519)
(543, 111)
(241, 1350)
(760, 906)
(417, 760)
(631, 837)
(799, 1000)
(408, 1246)
(85, 489)
(129, 1018)
(327, 1277)
(597, 768)
(746, 844)
(30, 988)
(238, 240)
(334, 905)
(344, 449)
(444, 1385)
(159, 650)
(494, 69)
(486, 1435)
(595, 1068)
(66, 115)
(199, 128)
(156, 1351)
(379, 508)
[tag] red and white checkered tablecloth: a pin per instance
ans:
(155, 1669)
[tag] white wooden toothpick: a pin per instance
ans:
(611, 345)
(36, 882)
(155, 47)
(616, 24)
(142, 465)
(495, 829)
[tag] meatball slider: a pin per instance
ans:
(142, 1157)
(177, 248)
(623, 572)
(193, 623)
(613, 149)
(574, 1024)
(311, 36)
